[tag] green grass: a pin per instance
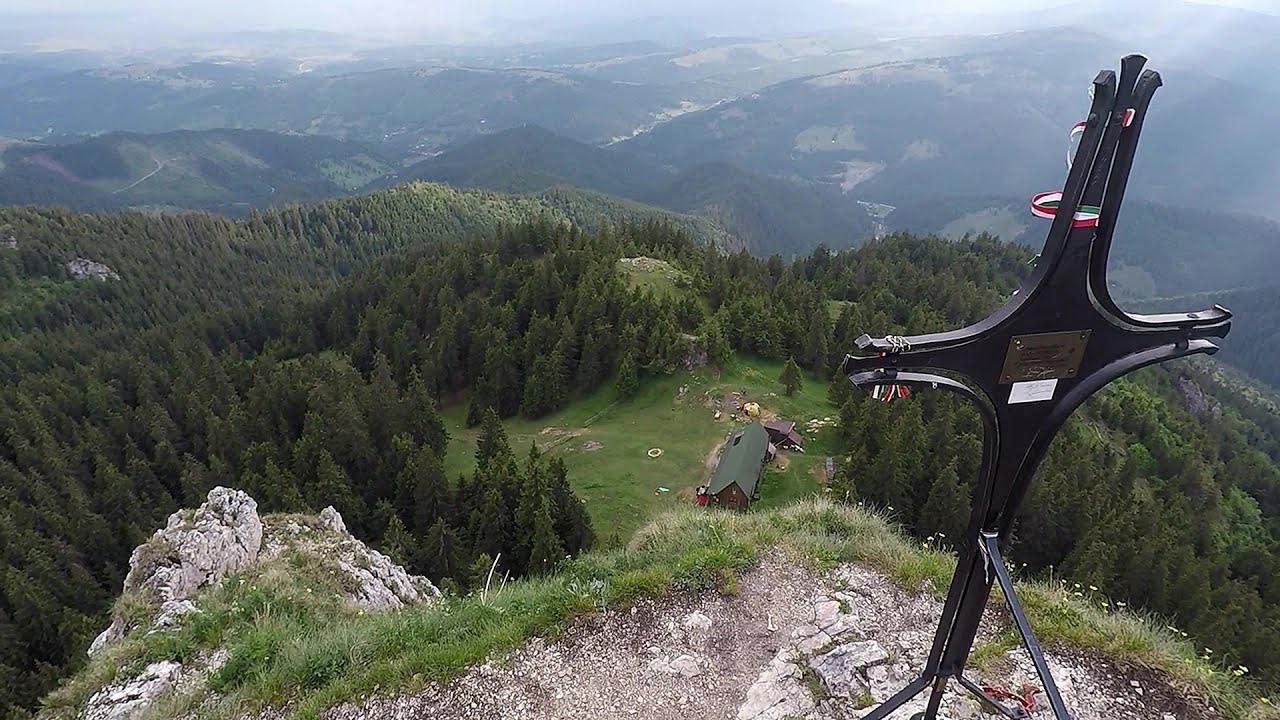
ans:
(291, 642)
(618, 480)
(657, 276)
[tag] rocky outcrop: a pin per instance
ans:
(84, 269)
(1198, 402)
(127, 699)
(226, 536)
(195, 549)
(375, 582)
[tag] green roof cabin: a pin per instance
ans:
(741, 462)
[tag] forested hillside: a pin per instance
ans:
(1255, 332)
(308, 386)
(228, 171)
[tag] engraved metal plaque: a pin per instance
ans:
(1044, 356)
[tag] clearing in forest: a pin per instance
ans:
(617, 479)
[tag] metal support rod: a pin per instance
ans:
(992, 543)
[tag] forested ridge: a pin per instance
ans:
(303, 355)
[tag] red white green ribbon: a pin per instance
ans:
(1045, 205)
(886, 393)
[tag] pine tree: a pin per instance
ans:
(946, 511)
(790, 378)
(493, 439)
(713, 338)
(491, 525)
(398, 544)
(573, 523)
(440, 554)
(431, 496)
(531, 492)
(425, 422)
(817, 342)
(545, 551)
(628, 375)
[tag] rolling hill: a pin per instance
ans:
(762, 214)
(765, 215)
(531, 158)
(223, 170)
(982, 123)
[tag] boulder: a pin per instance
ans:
(840, 670)
(330, 519)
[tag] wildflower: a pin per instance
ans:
(1120, 604)
(1207, 651)
(1264, 700)
(1093, 588)
(360, 613)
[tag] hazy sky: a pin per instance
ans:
(469, 17)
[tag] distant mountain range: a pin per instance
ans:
(224, 170)
(408, 108)
(986, 123)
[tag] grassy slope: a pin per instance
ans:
(291, 644)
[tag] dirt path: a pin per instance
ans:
(159, 166)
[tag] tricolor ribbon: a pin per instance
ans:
(886, 393)
(1045, 204)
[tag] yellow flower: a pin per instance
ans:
(361, 612)
(1265, 700)
(1120, 604)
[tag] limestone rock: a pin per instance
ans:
(697, 627)
(129, 699)
(83, 269)
(380, 583)
(330, 519)
(172, 612)
(223, 536)
(686, 665)
(779, 692)
(840, 669)
(194, 549)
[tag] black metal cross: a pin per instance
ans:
(1057, 340)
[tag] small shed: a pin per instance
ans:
(738, 473)
(783, 434)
